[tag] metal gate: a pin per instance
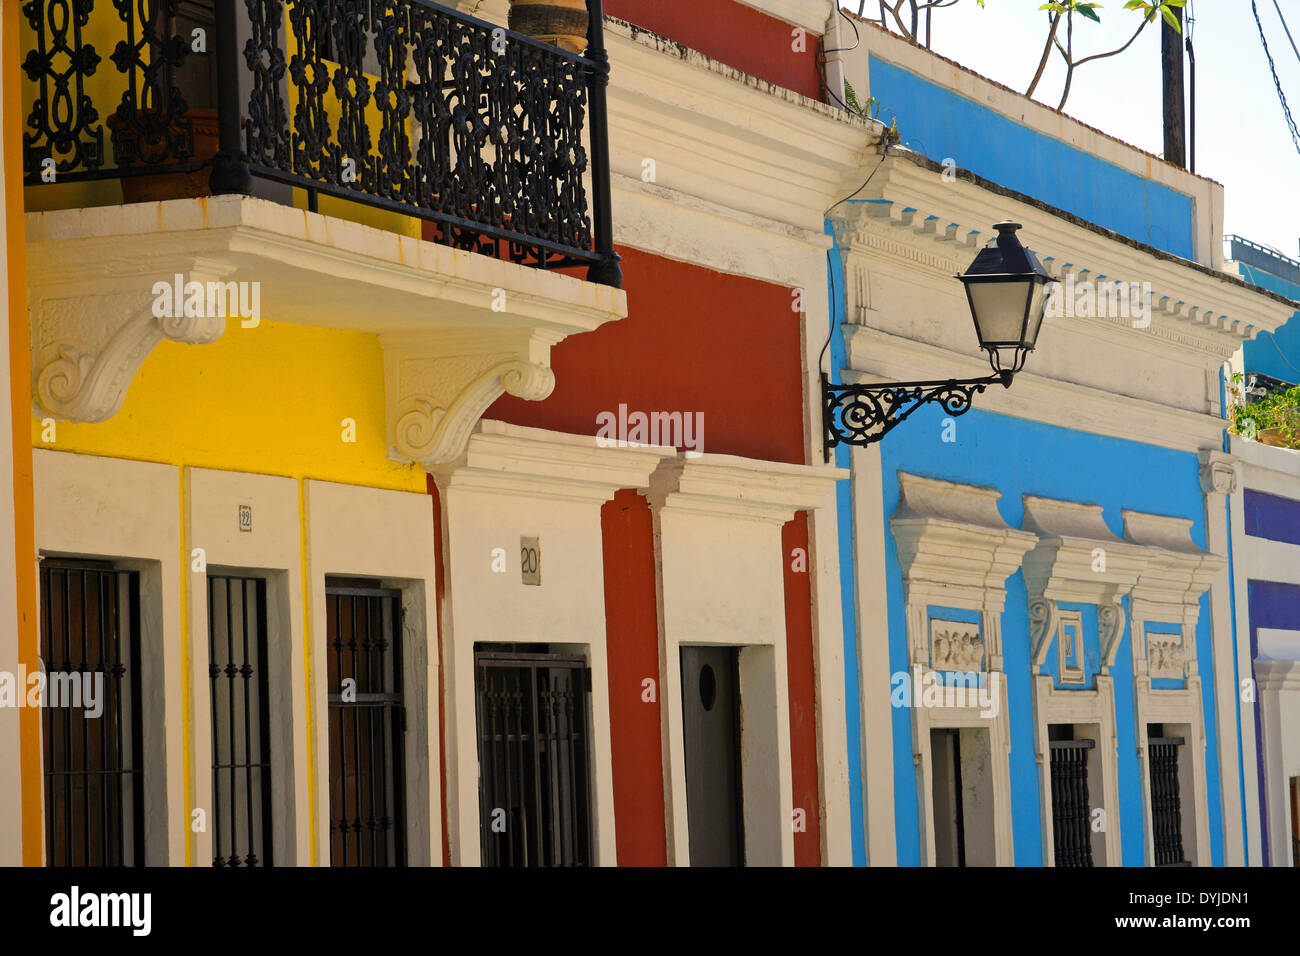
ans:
(367, 724)
(1071, 833)
(534, 789)
(241, 724)
(90, 640)
(1166, 805)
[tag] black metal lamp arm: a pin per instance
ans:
(864, 414)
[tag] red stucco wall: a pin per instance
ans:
(800, 673)
(694, 340)
(732, 33)
(632, 645)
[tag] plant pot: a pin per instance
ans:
(562, 23)
(1275, 437)
(160, 186)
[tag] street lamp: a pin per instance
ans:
(1007, 289)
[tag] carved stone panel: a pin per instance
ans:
(1166, 656)
(956, 646)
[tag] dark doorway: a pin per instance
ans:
(90, 640)
(949, 816)
(241, 721)
(711, 732)
(534, 771)
(367, 725)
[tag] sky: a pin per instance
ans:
(1242, 139)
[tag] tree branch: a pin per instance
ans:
(1099, 56)
(1055, 21)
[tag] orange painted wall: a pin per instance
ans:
(694, 340)
(29, 726)
(732, 33)
(800, 671)
(632, 642)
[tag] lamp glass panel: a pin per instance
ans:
(1037, 307)
(999, 310)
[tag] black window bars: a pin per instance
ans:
(367, 726)
(1071, 813)
(241, 722)
(534, 769)
(1166, 801)
(474, 128)
(90, 633)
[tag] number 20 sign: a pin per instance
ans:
(530, 560)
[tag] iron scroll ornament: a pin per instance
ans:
(864, 414)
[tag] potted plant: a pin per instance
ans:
(562, 23)
(180, 123)
(1271, 420)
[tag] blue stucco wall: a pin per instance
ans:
(941, 124)
(1274, 353)
(1021, 457)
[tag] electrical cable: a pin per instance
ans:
(1286, 28)
(857, 39)
(1290, 121)
(830, 334)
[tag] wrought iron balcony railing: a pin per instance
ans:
(400, 104)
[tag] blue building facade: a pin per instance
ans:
(1145, 644)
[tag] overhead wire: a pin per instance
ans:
(1290, 121)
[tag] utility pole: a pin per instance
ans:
(1171, 58)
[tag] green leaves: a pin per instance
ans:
(1088, 10)
(1164, 8)
(1278, 414)
(851, 97)
(871, 109)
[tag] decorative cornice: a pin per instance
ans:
(952, 540)
(930, 239)
(1077, 559)
(724, 485)
(1178, 571)
(533, 462)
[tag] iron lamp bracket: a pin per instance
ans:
(864, 414)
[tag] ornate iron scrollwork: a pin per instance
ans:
(63, 124)
(400, 104)
(864, 414)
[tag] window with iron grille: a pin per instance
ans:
(241, 738)
(90, 632)
(1166, 800)
(1071, 813)
(534, 784)
(367, 724)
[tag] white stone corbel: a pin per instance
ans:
(438, 388)
(87, 347)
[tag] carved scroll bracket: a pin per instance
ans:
(87, 348)
(437, 389)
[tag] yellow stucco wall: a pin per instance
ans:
(271, 399)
